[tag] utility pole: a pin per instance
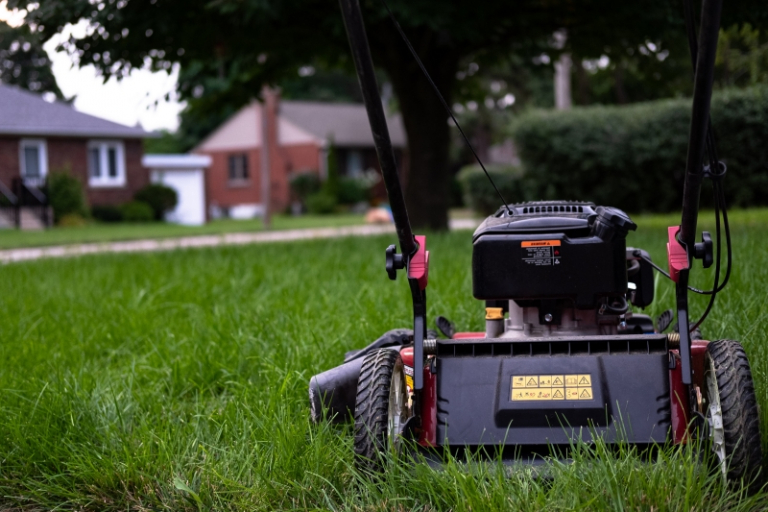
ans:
(268, 120)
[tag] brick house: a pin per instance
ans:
(299, 134)
(38, 137)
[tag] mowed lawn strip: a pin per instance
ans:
(179, 380)
(100, 232)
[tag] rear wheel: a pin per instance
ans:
(381, 408)
(732, 412)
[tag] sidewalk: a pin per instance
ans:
(168, 244)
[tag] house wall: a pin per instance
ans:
(72, 154)
(9, 159)
(285, 161)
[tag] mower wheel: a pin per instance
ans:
(381, 408)
(732, 412)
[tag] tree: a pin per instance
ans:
(227, 50)
(24, 62)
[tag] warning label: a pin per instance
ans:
(551, 387)
(541, 252)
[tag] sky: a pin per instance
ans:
(129, 101)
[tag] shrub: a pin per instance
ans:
(137, 211)
(634, 157)
(304, 184)
(65, 193)
(321, 203)
(352, 190)
(107, 213)
(71, 220)
(159, 197)
(479, 193)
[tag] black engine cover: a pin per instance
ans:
(551, 250)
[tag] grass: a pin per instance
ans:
(179, 381)
(98, 232)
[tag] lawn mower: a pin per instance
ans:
(563, 357)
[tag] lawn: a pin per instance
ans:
(97, 232)
(178, 381)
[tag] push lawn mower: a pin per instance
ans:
(563, 357)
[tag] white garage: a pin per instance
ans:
(184, 174)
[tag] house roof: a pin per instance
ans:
(302, 122)
(26, 113)
(346, 123)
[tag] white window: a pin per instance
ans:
(33, 157)
(106, 164)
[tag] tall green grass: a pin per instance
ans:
(179, 381)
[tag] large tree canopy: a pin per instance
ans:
(228, 49)
(24, 62)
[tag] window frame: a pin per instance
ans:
(239, 181)
(104, 180)
(42, 155)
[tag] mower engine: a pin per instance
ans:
(559, 268)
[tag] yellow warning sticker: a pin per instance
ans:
(551, 387)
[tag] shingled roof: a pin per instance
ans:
(26, 113)
(346, 123)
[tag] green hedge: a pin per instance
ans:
(479, 193)
(633, 157)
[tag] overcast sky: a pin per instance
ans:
(129, 101)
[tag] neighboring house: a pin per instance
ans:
(38, 137)
(299, 134)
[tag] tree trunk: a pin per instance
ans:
(427, 183)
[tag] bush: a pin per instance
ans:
(72, 220)
(321, 203)
(304, 184)
(352, 190)
(137, 211)
(634, 157)
(107, 213)
(65, 193)
(479, 193)
(159, 197)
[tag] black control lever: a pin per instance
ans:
(395, 262)
(703, 250)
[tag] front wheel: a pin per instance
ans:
(732, 412)
(381, 408)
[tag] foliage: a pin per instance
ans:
(322, 203)
(149, 382)
(106, 213)
(634, 157)
(228, 50)
(71, 220)
(166, 143)
(24, 62)
(159, 197)
(352, 190)
(137, 211)
(331, 183)
(303, 184)
(65, 193)
(742, 56)
(480, 195)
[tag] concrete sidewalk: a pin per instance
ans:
(187, 242)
